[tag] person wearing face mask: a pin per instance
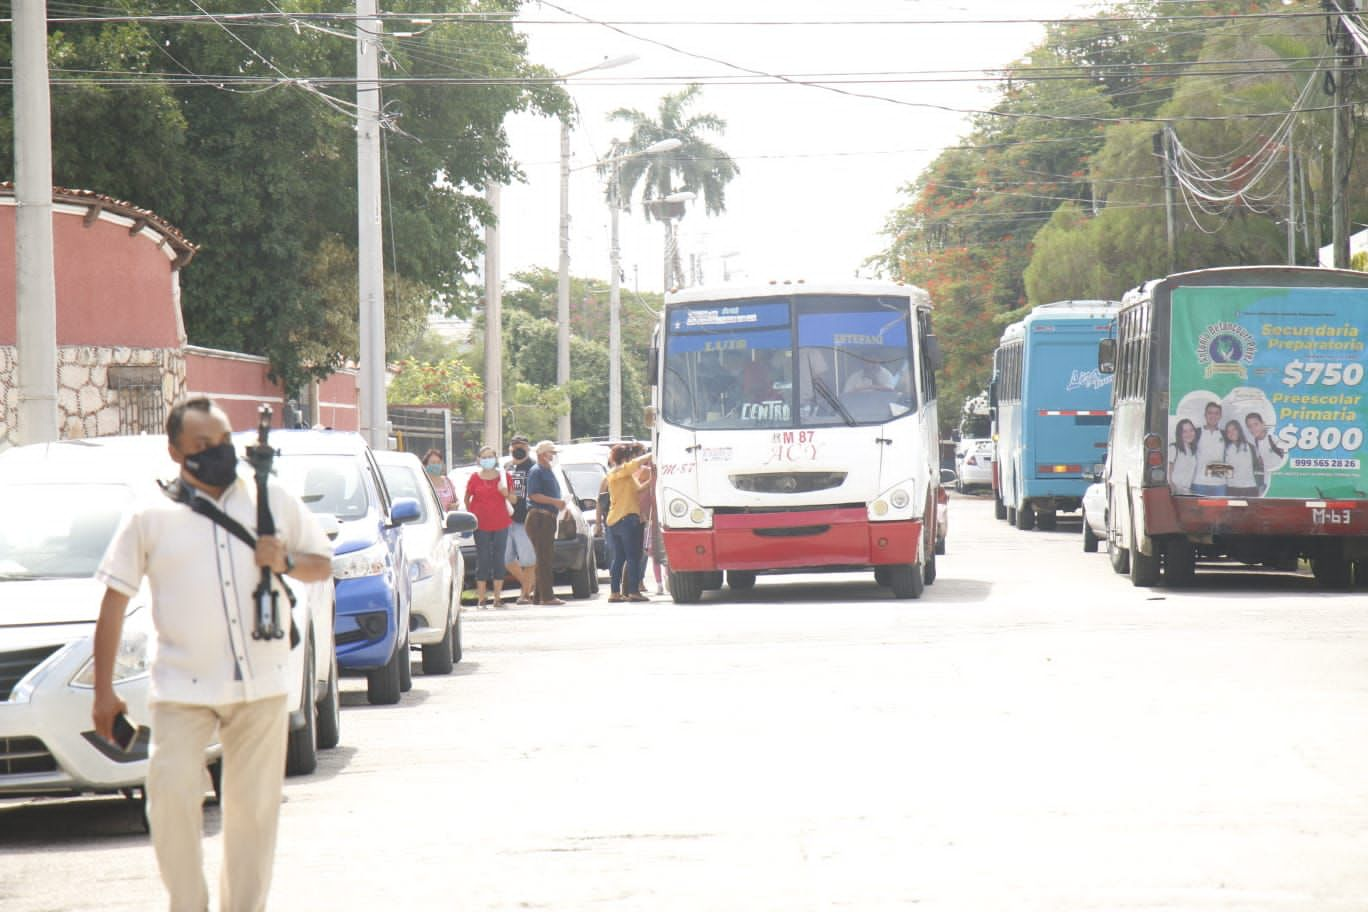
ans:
(544, 503)
(489, 497)
(210, 678)
(446, 491)
(520, 559)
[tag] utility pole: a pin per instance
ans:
(614, 312)
(1163, 148)
(370, 247)
(1291, 204)
(493, 357)
(35, 285)
(563, 281)
(1339, 151)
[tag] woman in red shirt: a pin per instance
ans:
(488, 497)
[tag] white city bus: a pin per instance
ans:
(796, 431)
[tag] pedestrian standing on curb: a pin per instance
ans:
(653, 542)
(519, 557)
(624, 524)
(446, 491)
(489, 497)
(544, 504)
(211, 679)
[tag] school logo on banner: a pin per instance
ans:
(1225, 348)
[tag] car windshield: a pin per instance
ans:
(326, 483)
(58, 530)
(779, 362)
(584, 478)
(405, 481)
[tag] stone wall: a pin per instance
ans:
(101, 390)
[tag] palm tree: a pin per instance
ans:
(696, 165)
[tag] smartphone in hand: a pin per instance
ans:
(125, 733)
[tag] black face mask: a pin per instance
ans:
(519, 454)
(215, 466)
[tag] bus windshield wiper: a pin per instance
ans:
(820, 386)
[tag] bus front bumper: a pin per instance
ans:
(840, 537)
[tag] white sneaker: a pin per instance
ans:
(660, 589)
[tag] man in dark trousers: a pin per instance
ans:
(211, 679)
(519, 558)
(544, 504)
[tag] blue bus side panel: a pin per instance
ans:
(1063, 377)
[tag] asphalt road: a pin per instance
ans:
(1034, 734)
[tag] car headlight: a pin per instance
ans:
(129, 662)
(894, 503)
(371, 561)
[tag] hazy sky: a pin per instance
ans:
(820, 172)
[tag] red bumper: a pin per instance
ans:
(1195, 515)
(793, 541)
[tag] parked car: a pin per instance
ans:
(973, 463)
(574, 563)
(1094, 516)
(63, 502)
(436, 565)
(335, 474)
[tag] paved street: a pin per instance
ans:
(1033, 734)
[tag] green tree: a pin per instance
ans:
(241, 149)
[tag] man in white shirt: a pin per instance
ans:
(1267, 454)
(1210, 450)
(209, 674)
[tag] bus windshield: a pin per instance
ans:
(733, 364)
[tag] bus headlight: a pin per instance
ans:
(894, 503)
(684, 513)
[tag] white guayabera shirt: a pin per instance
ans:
(201, 579)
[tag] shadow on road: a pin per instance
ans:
(45, 824)
(859, 594)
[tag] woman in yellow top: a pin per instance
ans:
(624, 524)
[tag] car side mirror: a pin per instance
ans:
(588, 503)
(947, 476)
(460, 522)
(1106, 356)
(404, 510)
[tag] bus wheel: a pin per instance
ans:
(741, 579)
(1025, 517)
(711, 579)
(883, 577)
(1119, 557)
(999, 508)
(906, 580)
(1361, 574)
(1331, 571)
(686, 587)
(1011, 516)
(1180, 563)
(929, 568)
(1144, 568)
(1045, 520)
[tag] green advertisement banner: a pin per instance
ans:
(1266, 392)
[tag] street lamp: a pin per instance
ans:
(667, 209)
(563, 277)
(615, 281)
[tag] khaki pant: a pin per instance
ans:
(253, 736)
(541, 528)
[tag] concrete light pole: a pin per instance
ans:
(563, 272)
(370, 256)
(493, 356)
(35, 285)
(615, 282)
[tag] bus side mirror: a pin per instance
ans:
(653, 366)
(933, 353)
(1106, 356)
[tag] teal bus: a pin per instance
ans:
(1052, 410)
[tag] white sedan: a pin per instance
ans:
(436, 567)
(1094, 516)
(974, 463)
(62, 503)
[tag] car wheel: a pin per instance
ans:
(1089, 537)
(686, 587)
(405, 666)
(906, 580)
(593, 573)
(740, 580)
(437, 657)
(456, 651)
(581, 580)
(301, 751)
(330, 712)
(382, 684)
